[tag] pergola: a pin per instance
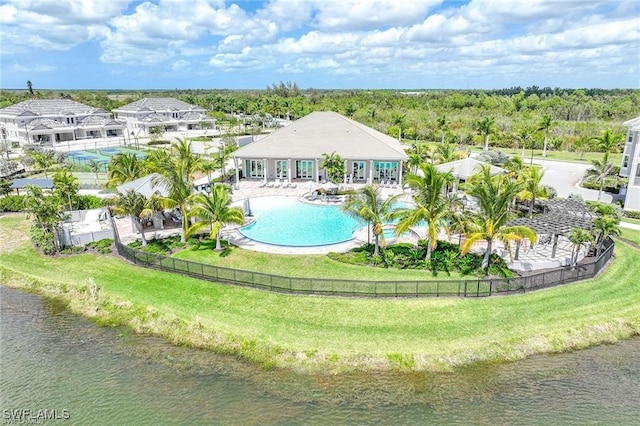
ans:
(560, 217)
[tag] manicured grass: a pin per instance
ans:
(315, 266)
(328, 333)
(630, 234)
(575, 157)
(631, 220)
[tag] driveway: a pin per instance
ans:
(564, 177)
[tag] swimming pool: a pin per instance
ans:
(286, 221)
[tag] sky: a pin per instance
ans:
(321, 44)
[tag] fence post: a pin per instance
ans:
(490, 287)
(465, 288)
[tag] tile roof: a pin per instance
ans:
(48, 107)
(159, 105)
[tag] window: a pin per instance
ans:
(282, 167)
(359, 170)
(255, 168)
(625, 162)
(304, 169)
(71, 120)
(385, 170)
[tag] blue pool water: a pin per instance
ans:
(288, 222)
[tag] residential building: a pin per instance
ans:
(56, 121)
(171, 114)
(630, 166)
(295, 152)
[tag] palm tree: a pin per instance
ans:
(94, 167)
(367, 205)
(599, 173)
(429, 204)
(514, 167)
(545, 124)
(124, 167)
(485, 128)
(532, 188)
(606, 142)
(176, 174)
(138, 208)
(578, 238)
(399, 120)
(446, 152)
(30, 88)
(66, 186)
(604, 226)
(334, 165)
(494, 195)
(442, 125)
(215, 212)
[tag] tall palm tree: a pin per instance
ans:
(599, 172)
(215, 211)
(606, 142)
(124, 167)
(494, 195)
(446, 152)
(66, 186)
(175, 173)
(578, 237)
(532, 188)
(546, 122)
(429, 204)
(604, 226)
(94, 167)
(368, 205)
(138, 208)
(398, 119)
(442, 125)
(485, 128)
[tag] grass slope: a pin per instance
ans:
(333, 333)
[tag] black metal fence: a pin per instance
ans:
(337, 287)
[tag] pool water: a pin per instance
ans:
(287, 221)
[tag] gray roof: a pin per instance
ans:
(48, 107)
(145, 186)
(463, 169)
(159, 105)
(325, 132)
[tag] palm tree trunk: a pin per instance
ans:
(376, 249)
(428, 256)
(486, 142)
(140, 228)
(487, 254)
(218, 245)
(544, 146)
(533, 202)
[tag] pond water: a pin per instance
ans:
(53, 360)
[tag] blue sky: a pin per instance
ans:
(324, 44)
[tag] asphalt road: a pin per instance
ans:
(564, 177)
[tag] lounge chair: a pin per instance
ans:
(263, 183)
(285, 184)
(292, 185)
(277, 184)
(269, 185)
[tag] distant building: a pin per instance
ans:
(174, 115)
(55, 121)
(630, 166)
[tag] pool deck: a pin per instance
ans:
(530, 259)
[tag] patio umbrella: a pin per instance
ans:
(329, 185)
(310, 186)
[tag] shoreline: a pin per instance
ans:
(92, 303)
(316, 335)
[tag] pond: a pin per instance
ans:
(53, 360)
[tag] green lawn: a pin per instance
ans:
(303, 331)
(587, 157)
(314, 266)
(630, 234)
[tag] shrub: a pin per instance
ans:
(88, 202)
(42, 240)
(632, 214)
(12, 203)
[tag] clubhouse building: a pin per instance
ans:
(171, 114)
(295, 152)
(56, 121)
